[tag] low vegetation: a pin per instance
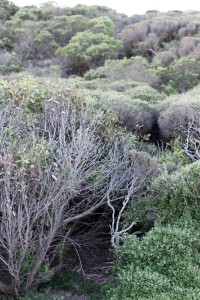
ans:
(100, 142)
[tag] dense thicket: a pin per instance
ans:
(52, 40)
(109, 151)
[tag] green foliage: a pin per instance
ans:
(87, 49)
(101, 25)
(146, 93)
(184, 73)
(133, 69)
(9, 63)
(169, 42)
(9, 8)
(93, 74)
(159, 54)
(177, 195)
(72, 281)
(65, 27)
(38, 296)
(44, 45)
(29, 92)
(163, 265)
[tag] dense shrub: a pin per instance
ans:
(184, 73)
(133, 69)
(164, 58)
(188, 45)
(177, 195)
(163, 265)
(9, 63)
(90, 48)
(146, 93)
(176, 115)
(124, 86)
(180, 117)
(94, 74)
(136, 116)
(9, 8)
(59, 164)
(27, 91)
(65, 27)
(132, 36)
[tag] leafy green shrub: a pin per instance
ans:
(31, 92)
(178, 194)
(88, 49)
(146, 93)
(133, 69)
(72, 281)
(173, 157)
(34, 296)
(133, 115)
(9, 7)
(124, 85)
(9, 63)
(93, 74)
(64, 27)
(173, 195)
(184, 73)
(163, 265)
(38, 296)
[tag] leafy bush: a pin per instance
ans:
(146, 93)
(173, 195)
(124, 86)
(93, 74)
(163, 265)
(184, 73)
(177, 195)
(87, 50)
(31, 91)
(72, 281)
(9, 7)
(133, 69)
(9, 63)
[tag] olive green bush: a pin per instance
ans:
(163, 265)
(30, 91)
(146, 93)
(124, 86)
(174, 194)
(177, 195)
(184, 73)
(9, 63)
(90, 48)
(93, 74)
(133, 69)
